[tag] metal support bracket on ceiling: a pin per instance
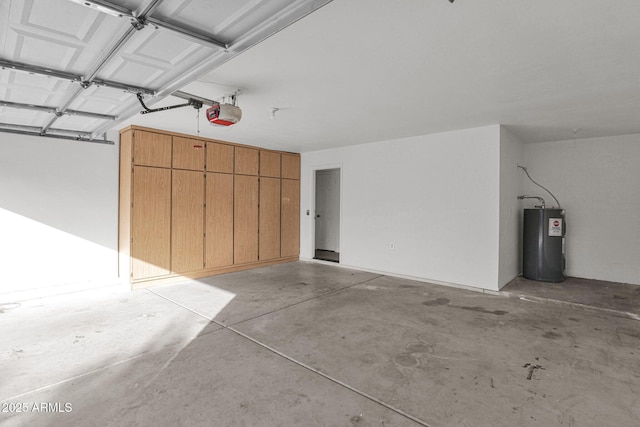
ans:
(186, 32)
(75, 78)
(191, 102)
(54, 110)
(187, 96)
(54, 133)
(144, 18)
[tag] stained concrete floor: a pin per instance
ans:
(306, 344)
(617, 298)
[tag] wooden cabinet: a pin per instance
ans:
(269, 164)
(194, 207)
(246, 161)
(269, 227)
(245, 219)
(188, 153)
(150, 222)
(187, 221)
(219, 157)
(219, 220)
(151, 149)
(290, 227)
(290, 166)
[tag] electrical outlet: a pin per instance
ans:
(392, 246)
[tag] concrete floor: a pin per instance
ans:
(325, 255)
(305, 344)
(616, 298)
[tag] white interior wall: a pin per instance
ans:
(435, 197)
(511, 186)
(596, 181)
(58, 215)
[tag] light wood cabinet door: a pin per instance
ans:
(269, 227)
(290, 228)
(290, 166)
(247, 161)
(219, 220)
(245, 219)
(151, 149)
(188, 153)
(219, 157)
(187, 221)
(150, 222)
(269, 164)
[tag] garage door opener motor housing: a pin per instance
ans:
(224, 114)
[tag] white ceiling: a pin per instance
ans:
(357, 71)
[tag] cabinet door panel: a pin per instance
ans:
(290, 229)
(188, 153)
(269, 164)
(151, 222)
(187, 221)
(245, 224)
(219, 220)
(290, 166)
(247, 161)
(269, 230)
(219, 157)
(151, 149)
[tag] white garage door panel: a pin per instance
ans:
(18, 117)
(42, 39)
(32, 89)
(224, 19)
(153, 58)
(102, 100)
(58, 34)
(78, 123)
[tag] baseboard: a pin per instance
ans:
(404, 276)
(176, 278)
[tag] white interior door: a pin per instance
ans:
(327, 212)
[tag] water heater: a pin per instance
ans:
(543, 250)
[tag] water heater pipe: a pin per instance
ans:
(545, 189)
(532, 197)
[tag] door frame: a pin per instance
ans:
(314, 169)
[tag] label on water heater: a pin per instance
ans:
(555, 227)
